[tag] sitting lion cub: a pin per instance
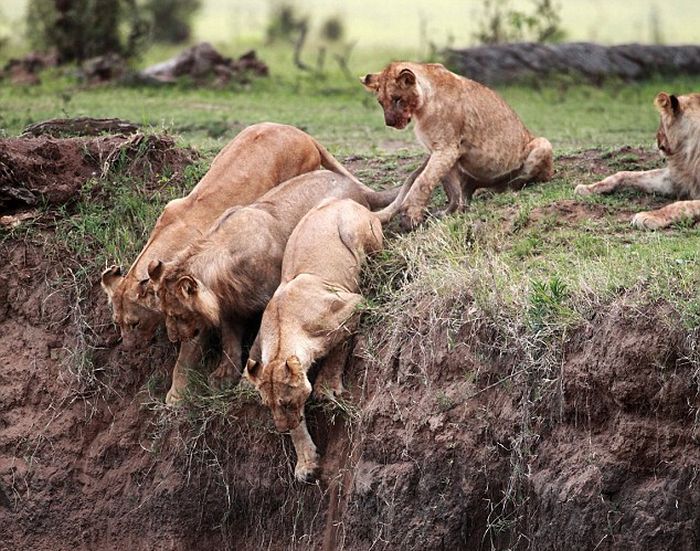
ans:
(226, 277)
(256, 160)
(474, 138)
(312, 311)
(678, 138)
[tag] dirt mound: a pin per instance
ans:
(443, 442)
(52, 171)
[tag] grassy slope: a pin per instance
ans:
(572, 264)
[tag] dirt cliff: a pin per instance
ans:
(445, 441)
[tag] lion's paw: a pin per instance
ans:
(328, 390)
(306, 472)
(224, 376)
(173, 398)
(583, 190)
(647, 221)
(411, 218)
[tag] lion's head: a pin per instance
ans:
(283, 387)
(679, 122)
(396, 91)
(188, 305)
(134, 306)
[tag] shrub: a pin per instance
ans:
(80, 29)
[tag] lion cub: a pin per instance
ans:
(256, 160)
(678, 139)
(312, 311)
(226, 277)
(474, 138)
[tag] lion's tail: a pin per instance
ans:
(384, 199)
(329, 162)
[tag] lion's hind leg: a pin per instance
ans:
(668, 215)
(650, 181)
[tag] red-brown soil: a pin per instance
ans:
(449, 447)
(47, 170)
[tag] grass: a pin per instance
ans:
(525, 268)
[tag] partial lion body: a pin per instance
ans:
(311, 313)
(227, 276)
(678, 138)
(261, 157)
(474, 138)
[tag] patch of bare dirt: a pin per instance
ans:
(52, 170)
(443, 449)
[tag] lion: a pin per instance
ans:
(258, 159)
(312, 312)
(474, 137)
(226, 278)
(678, 139)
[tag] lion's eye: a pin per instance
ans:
(134, 324)
(397, 101)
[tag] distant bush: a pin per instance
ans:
(285, 23)
(501, 23)
(80, 29)
(171, 20)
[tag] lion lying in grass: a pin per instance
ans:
(225, 278)
(312, 312)
(474, 137)
(678, 139)
(259, 158)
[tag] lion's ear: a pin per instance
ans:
(370, 82)
(667, 102)
(406, 78)
(293, 366)
(252, 371)
(110, 279)
(187, 286)
(144, 288)
(155, 270)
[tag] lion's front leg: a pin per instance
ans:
(439, 165)
(668, 215)
(189, 357)
(229, 370)
(329, 381)
(650, 181)
(307, 466)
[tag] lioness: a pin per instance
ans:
(259, 158)
(311, 312)
(226, 277)
(678, 139)
(474, 138)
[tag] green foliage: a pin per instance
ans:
(80, 29)
(332, 29)
(171, 20)
(285, 23)
(501, 23)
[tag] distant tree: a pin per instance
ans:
(171, 20)
(285, 23)
(80, 29)
(501, 23)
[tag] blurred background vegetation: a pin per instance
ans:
(409, 26)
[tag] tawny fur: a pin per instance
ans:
(227, 276)
(678, 139)
(473, 136)
(312, 312)
(259, 158)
